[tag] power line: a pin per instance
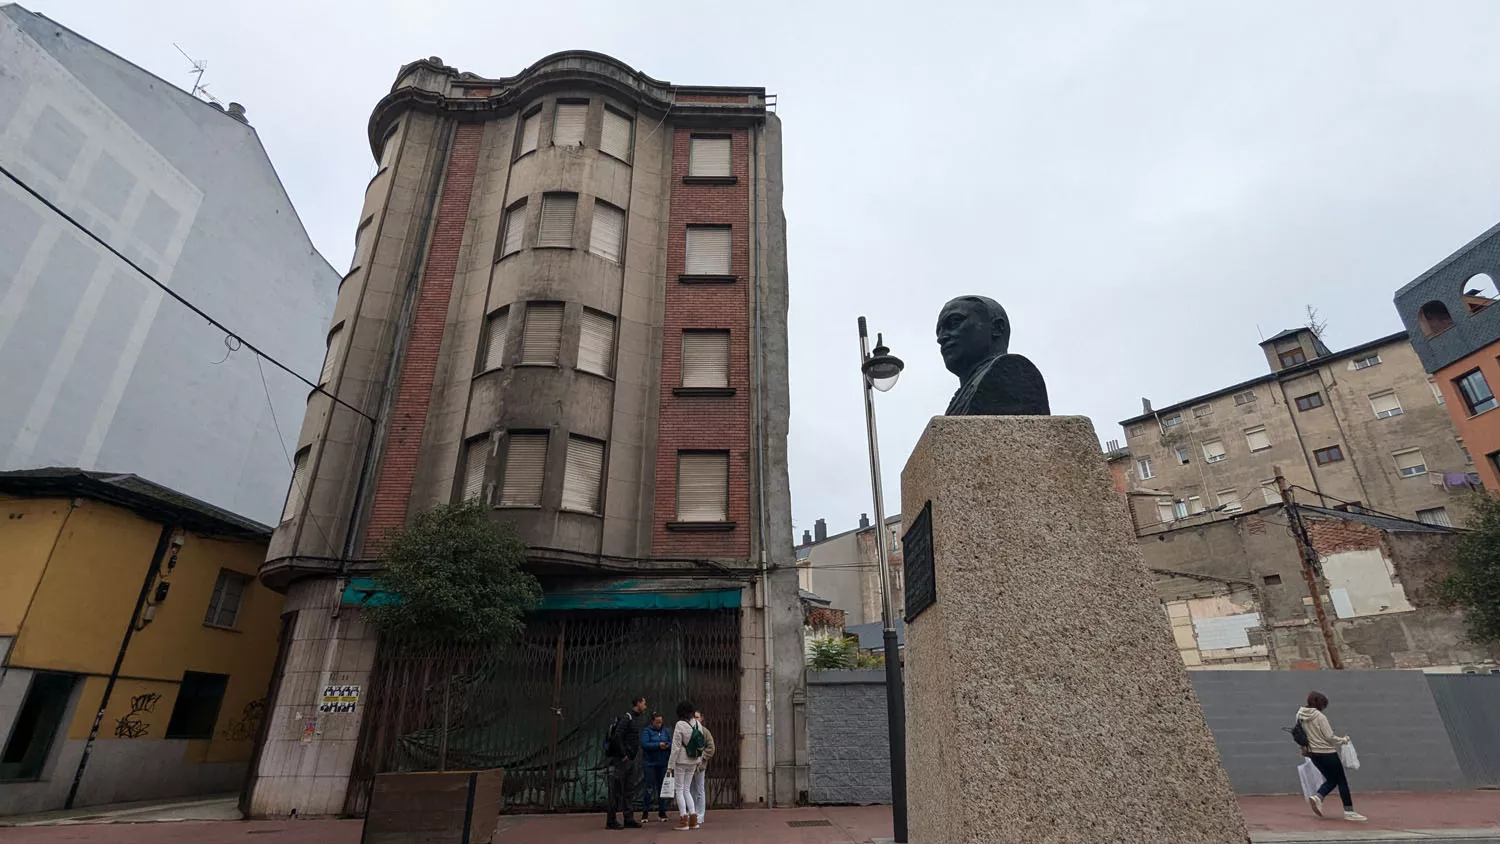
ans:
(1362, 508)
(301, 488)
(174, 294)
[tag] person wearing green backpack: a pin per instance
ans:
(687, 752)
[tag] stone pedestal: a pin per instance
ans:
(1045, 700)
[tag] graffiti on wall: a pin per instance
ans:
(244, 727)
(130, 724)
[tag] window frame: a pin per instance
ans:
(533, 113)
(619, 246)
(485, 443)
(1171, 421)
(1203, 410)
(1447, 521)
(1299, 353)
(330, 355)
(1485, 405)
(598, 493)
(583, 132)
(1215, 458)
(500, 316)
(1366, 362)
(1416, 471)
(562, 321)
(1329, 455)
(727, 388)
(1311, 401)
(541, 222)
(504, 248)
(299, 462)
(1183, 455)
(220, 592)
(688, 274)
(1261, 430)
(609, 352)
(1245, 397)
(1143, 469)
(630, 137)
(1234, 505)
(511, 437)
(1388, 413)
(725, 178)
(680, 523)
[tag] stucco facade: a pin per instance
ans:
(534, 320)
(843, 569)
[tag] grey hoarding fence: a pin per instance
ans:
(1470, 706)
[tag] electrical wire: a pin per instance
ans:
(174, 294)
(291, 464)
(1363, 509)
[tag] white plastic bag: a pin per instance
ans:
(1348, 756)
(1312, 778)
(668, 787)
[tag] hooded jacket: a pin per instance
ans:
(1320, 737)
(651, 739)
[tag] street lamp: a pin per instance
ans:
(880, 371)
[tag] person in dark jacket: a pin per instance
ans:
(656, 747)
(623, 748)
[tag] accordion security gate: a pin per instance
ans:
(539, 708)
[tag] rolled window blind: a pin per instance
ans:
(703, 487)
(525, 466)
(494, 338)
(708, 250)
(330, 361)
(294, 495)
(542, 336)
(615, 138)
(558, 210)
(607, 231)
(596, 343)
(567, 127)
(705, 359)
(476, 453)
(531, 128)
(709, 157)
(581, 479)
(515, 229)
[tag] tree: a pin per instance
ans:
(1475, 586)
(1315, 325)
(457, 577)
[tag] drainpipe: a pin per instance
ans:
(767, 659)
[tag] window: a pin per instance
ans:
(388, 147)
(515, 229)
(1245, 398)
(362, 237)
(705, 359)
(568, 123)
(1436, 516)
(330, 359)
(1171, 421)
(708, 250)
(1181, 509)
(1143, 469)
(1182, 455)
(615, 137)
(495, 332)
(583, 475)
(476, 456)
(1271, 580)
(1194, 505)
(1366, 362)
(542, 336)
(298, 488)
(1213, 451)
(197, 706)
(709, 157)
(36, 726)
(1203, 410)
(531, 129)
(1165, 512)
(1269, 492)
(525, 466)
(1293, 357)
(1331, 454)
(1410, 463)
(1437, 392)
(607, 232)
(1475, 391)
(224, 604)
(703, 486)
(1309, 401)
(1385, 404)
(596, 343)
(1256, 438)
(1229, 500)
(558, 211)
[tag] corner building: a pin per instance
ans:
(568, 300)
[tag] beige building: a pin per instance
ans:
(842, 568)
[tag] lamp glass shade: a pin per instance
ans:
(884, 382)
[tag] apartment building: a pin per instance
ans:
(569, 302)
(844, 568)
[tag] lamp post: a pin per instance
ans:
(879, 371)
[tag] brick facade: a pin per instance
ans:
(714, 423)
(825, 617)
(1332, 536)
(408, 420)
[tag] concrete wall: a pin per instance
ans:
(100, 369)
(846, 737)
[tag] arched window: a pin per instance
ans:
(1434, 319)
(1480, 292)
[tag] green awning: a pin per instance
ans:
(620, 595)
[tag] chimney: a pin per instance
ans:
(806, 537)
(864, 520)
(1145, 405)
(237, 111)
(820, 530)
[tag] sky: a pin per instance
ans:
(1148, 188)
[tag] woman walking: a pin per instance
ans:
(687, 750)
(1323, 750)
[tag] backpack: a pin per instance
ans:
(1299, 734)
(695, 744)
(612, 746)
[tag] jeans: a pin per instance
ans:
(1332, 769)
(700, 801)
(651, 790)
(624, 783)
(685, 805)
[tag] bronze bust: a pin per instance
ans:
(974, 335)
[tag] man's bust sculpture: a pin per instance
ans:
(974, 334)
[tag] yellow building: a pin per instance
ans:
(114, 587)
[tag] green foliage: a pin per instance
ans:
(1475, 586)
(459, 578)
(870, 660)
(832, 651)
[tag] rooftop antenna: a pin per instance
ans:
(199, 68)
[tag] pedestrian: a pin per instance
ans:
(687, 750)
(1323, 749)
(656, 747)
(622, 745)
(700, 776)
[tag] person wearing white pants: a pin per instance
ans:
(700, 775)
(684, 762)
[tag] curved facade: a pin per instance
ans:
(568, 300)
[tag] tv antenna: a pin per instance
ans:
(200, 67)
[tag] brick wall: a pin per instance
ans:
(824, 617)
(1331, 536)
(408, 420)
(716, 423)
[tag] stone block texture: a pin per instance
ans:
(847, 743)
(1066, 713)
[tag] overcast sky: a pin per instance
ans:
(1148, 190)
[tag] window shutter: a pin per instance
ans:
(584, 472)
(542, 337)
(705, 359)
(1385, 404)
(1411, 463)
(607, 232)
(708, 250)
(330, 361)
(494, 338)
(1256, 438)
(525, 466)
(615, 138)
(709, 157)
(476, 453)
(1164, 511)
(1213, 451)
(567, 127)
(531, 128)
(1271, 493)
(596, 343)
(1436, 516)
(703, 487)
(299, 483)
(558, 210)
(1229, 499)
(515, 230)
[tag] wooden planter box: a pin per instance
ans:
(451, 807)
